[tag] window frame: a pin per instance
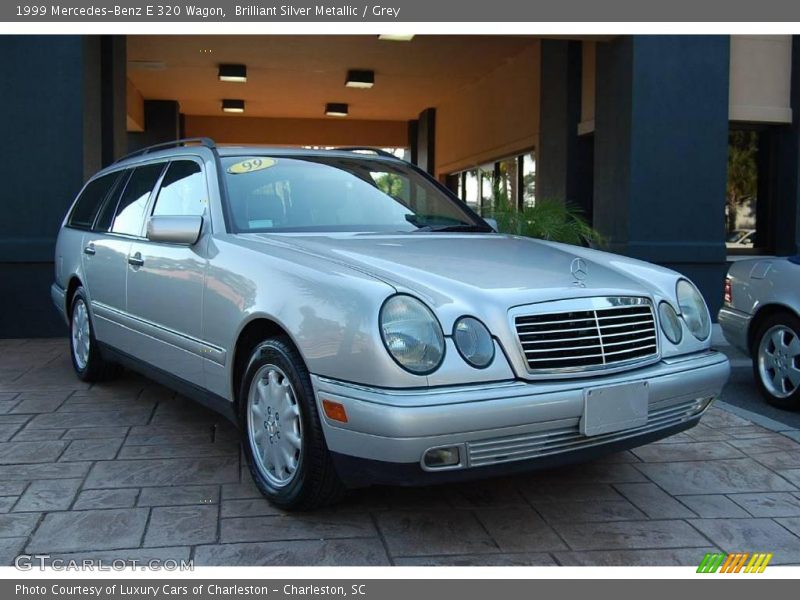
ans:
(102, 203)
(151, 206)
(118, 193)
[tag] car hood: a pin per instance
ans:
(478, 267)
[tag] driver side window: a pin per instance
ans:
(183, 190)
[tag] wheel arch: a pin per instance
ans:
(74, 283)
(762, 314)
(253, 332)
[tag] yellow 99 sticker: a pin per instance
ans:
(250, 165)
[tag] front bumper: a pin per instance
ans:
(505, 426)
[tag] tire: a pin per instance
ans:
(281, 431)
(776, 360)
(87, 360)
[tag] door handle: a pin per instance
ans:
(136, 260)
(89, 249)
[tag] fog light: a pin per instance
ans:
(442, 457)
(704, 402)
(700, 404)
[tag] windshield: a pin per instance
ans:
(277, 194)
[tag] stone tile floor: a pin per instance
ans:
(128, 470)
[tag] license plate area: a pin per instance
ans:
(614, 408)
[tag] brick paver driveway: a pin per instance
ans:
(129, 470)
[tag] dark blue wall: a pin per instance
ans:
(661, 146)
(53, 139)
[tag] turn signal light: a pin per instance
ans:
(728, 291)
(334, 411)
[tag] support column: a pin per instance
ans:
(54, 132)
(661, 147)
(413, 129)
(162, 123)
(559, 116)
(426, 140)
(113, 74)
(787, 177)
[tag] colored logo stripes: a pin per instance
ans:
(735, 562)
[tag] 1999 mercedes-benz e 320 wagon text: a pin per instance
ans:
(362, 325)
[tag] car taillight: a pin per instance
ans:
(728, 291)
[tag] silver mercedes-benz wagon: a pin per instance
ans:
(362, 325)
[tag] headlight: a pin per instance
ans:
(670, 323)
(412, 334)
(473, 342)
(693, 310)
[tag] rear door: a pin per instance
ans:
(106, 251)
(71, 245)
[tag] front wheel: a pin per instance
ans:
(776, 361)
(283, 440)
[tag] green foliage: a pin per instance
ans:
(390, 184)
(548, 219)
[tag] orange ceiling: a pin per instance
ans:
(294, 76)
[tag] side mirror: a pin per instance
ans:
(491, 223)
(174, 229)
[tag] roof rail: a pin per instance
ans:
(203, 141)
(377, 151)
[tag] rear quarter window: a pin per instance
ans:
(90, 200)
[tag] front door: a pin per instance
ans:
(165, 281)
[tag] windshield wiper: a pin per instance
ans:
(459, 227)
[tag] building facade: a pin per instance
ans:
(680, 150)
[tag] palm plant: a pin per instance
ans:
(548, 219)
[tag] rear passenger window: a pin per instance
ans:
(89, 202)
(133, 202)
(183, 190)
(106, 216)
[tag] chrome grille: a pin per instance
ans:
(534, 445)
(595, 333)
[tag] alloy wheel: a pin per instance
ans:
(81, 334)
(779, 361)
(274, 426)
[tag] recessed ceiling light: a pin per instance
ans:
(232, 106)
(236, 73)
(360, 79)
(396, 37)
(336, 109)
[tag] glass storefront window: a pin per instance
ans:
(507, 191)
(487, 188)
(741, 190)
(528, 179)
(470, 195)
(507, 184)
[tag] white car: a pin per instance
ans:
(761, 316)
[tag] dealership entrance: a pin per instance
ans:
(637, 131)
